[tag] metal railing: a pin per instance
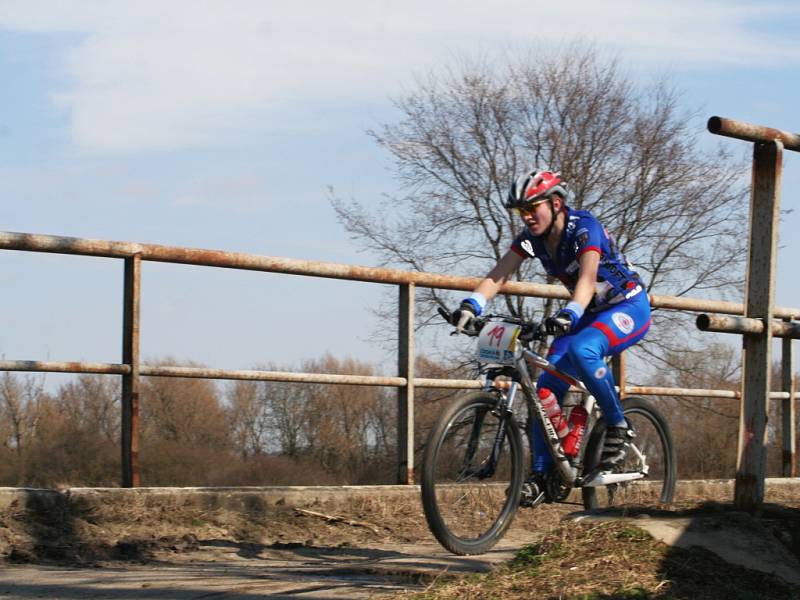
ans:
(132, 370)
(757, 326)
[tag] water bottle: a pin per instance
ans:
(577, 426)
(553, 411)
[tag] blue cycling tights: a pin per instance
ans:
(581, 353)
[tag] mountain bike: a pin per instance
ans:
(475, 462)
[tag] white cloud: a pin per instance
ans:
(147, 74)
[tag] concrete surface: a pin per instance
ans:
(225, 569)
(231, 571)
(235, 497)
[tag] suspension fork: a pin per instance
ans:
(504, 407)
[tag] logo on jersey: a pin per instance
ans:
(623, 321)
(528, 247)
(600, 373)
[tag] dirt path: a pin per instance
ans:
(255, 543)
(223, 569)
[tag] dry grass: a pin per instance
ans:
(612, 560)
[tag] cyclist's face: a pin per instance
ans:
(538, 217)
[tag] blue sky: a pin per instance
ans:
(221, 125)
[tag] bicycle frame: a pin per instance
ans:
(520, 376)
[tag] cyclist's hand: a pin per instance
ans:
(562, 323)
(462, 317)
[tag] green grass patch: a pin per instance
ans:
(612, 561)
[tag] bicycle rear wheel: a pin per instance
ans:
(654, 441)
(470, 496)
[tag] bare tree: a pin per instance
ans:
(630, 154)
(20, 407)
(704, 429)
(248, 418)
(269, 417)
(342, 433)
(348, 429)
(289, 406)
(92, 402)
(77, 437)
(185, 438)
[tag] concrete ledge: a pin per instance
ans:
(254, 498)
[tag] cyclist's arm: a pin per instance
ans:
(499, 274)
(589, 262)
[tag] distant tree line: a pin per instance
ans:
(196, 432)
(206, 433)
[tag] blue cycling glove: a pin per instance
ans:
(470, 308)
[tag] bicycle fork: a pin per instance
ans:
(504, 407)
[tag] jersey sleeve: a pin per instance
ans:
(523, 246)
(589, 237)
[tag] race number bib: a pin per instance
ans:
(496, 343)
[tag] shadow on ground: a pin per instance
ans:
(718, 552)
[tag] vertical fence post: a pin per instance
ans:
(618, 370)
(130, 382)
(405, 395)
(760, 293)
(788, 410)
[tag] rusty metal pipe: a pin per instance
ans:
(284, 376)
(455, 384)
(684, 392)
(753, 133)
(743, 325)
(714, 306)
(236, 260)
(35, 366)
(129, 417)
(293, 377)
(254, 262)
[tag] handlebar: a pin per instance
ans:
(531, 330)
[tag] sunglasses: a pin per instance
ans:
(529, 207)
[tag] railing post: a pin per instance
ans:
(618, 370)
(760, 293)
(405, 395)
(130, 382)
(788, 410)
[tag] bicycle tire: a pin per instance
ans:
(655, 441)
(466, 513)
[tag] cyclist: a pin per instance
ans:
(609, 309)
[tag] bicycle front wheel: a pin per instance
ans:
(472, 474)
(653, 452)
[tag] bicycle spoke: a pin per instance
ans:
(651, 453)
(467, 509)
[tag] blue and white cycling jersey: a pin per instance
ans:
(616, 279)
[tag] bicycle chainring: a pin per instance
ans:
(557, 490)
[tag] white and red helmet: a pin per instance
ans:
(535, 186)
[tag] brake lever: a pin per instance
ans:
(445, 315)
